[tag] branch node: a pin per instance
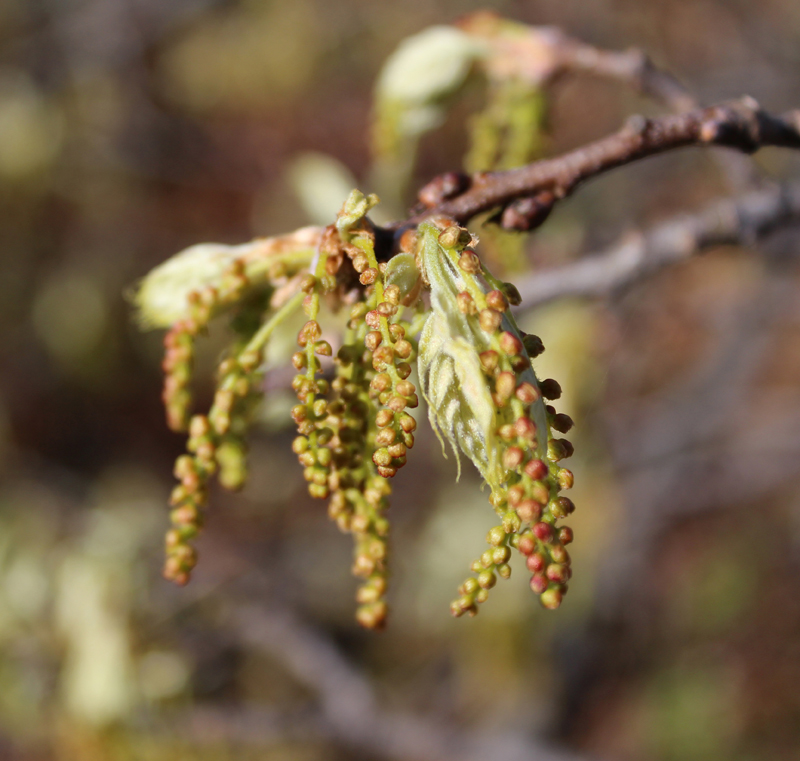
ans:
(529, 213)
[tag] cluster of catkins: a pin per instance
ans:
(434, 304)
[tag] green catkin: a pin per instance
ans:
(354, 433)
(485, 399)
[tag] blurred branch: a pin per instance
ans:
(709, 444)
(732, 221)
(739, 124)
(349, 706)
(540, 54)
(632, 67)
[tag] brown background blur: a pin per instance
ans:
(130, 129)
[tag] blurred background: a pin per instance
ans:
(130, 129)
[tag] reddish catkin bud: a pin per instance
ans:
(496, 300)
(543, 531)
(525, 428)
(489, 360)
(504, 385)
(535, 562)
(538, 583)
(536, 469)
(527, 393)
(510, 344)
(466, 304)
(512, 457)
(529, 510)
(489, 320)
(372, 340)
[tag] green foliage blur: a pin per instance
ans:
(131, 130)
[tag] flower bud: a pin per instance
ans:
(510, 344)
(469, 262)
(496, 536)
(490, 320)
(496, 300)
(550, 388)
(551, 598)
